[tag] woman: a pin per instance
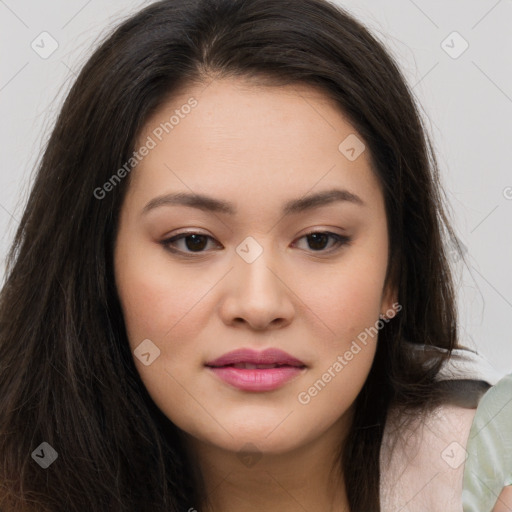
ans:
(273, 370)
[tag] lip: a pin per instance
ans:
(256, 379)
(246, 355)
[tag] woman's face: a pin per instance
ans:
(251, 276)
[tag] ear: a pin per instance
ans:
(389, 305)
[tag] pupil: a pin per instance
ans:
(315, 236)
(196, 242)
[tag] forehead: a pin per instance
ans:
(252, 139)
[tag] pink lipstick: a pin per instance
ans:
(249, 370)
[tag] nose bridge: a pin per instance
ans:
(258, 294)
(255, 265)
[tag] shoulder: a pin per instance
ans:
(422, 463)
(489, 461)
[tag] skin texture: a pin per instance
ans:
(256, 147)
(504, 503)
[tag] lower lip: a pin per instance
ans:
(257, 380)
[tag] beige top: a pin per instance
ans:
(424, 470)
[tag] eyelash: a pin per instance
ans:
(341, 240)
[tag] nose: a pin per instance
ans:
(257, 294)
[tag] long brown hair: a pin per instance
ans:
(67, 376)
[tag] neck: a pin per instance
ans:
(307, 478)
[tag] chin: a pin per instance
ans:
(255, 439)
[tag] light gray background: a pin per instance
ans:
(466, 102)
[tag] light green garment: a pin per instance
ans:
(488, 467)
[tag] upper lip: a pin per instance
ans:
(246, 355)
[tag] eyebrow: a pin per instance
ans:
(211, 204)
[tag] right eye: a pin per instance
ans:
(193, 243)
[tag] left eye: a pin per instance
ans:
(317, 239)
(196, 242)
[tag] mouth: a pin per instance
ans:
(248, 370)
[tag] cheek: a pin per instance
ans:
(155, 298)
(333, 385)
(345, 354)
(345, 300)
(158, 305)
